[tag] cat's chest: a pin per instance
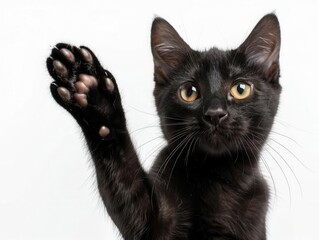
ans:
(217, 204)
(221, 210)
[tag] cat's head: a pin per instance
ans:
(221, 100)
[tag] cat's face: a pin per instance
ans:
(222, 101)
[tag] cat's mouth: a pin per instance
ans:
(214, 140)
(220, 139)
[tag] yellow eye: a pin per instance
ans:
(188, 92)
(241, 91)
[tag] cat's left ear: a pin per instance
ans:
(262, 47)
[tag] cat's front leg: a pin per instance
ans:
(90, 94)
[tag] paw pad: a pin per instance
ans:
(88, 80)
(64, 94)
(68, 55)
(60, 69)
(109, 84)
(81, 87)
(81, 99)
(104, 131)
(86, 55)
(73, 69)
(84, 87)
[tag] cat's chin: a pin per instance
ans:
(215, 143)
(215, 148)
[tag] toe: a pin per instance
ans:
(87, 56)
(68, 55)
(60, 69)
(87, 80)
(64, 94)
(81, 87)
(81, 99)
(109, 84)
(94, 81)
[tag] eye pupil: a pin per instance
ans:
(241, 91)
(188, 92)
(241, 88)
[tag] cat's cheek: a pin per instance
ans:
(241, 126)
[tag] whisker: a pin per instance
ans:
(283, 159)
(165, 162)
(283, 172)
(189, 137)
(245, 149)
(140, 111)
(149, 141)
(156, 126)
(172, 154)
(286, 163)
(287, 137)
(266, 165)
(270, 173)
(174, 139)
(287, 149)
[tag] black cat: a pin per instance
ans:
(216, 109)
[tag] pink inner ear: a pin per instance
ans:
(168, 47)
(266, 57)
(263, 45)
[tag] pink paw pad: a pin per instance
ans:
(64, 94)
(81, 99)
(74, 68)
(60, 69)
(86, 55)
(104, 131)
(109, 84)
(68, 55)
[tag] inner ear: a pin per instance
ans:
(168, 48)
(262, 46)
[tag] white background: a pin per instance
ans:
(47, 183)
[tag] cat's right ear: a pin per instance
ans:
(262, 47)
(168, 48)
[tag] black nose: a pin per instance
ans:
(216, 116)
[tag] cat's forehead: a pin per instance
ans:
(213, 66)
(221, 63)
(214, 61)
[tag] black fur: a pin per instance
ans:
(206, 183)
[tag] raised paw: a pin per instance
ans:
(85, 89)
